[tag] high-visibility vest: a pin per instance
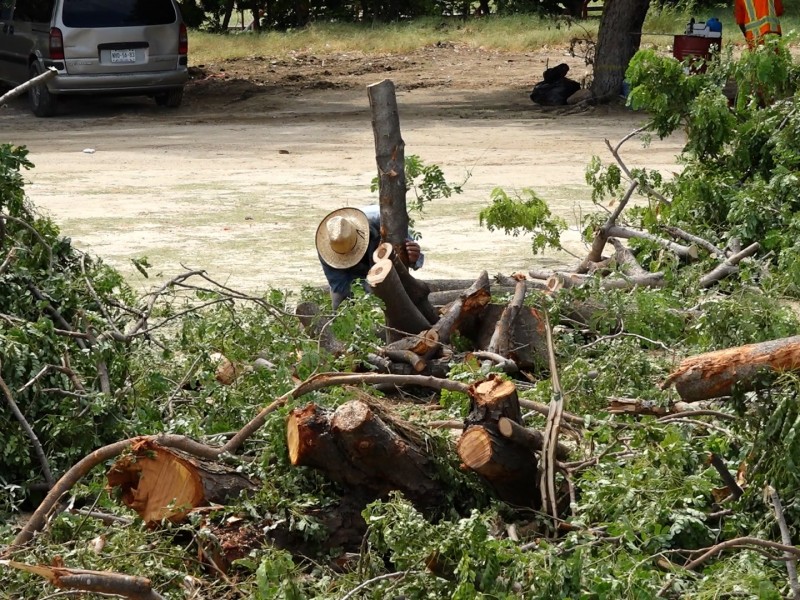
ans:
(762, 19)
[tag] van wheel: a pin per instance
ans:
(42, 102)
(170, 99)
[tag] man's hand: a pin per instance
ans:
(413, 251)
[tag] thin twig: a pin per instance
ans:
(37, 446)
(369, 582)
(740, 542)
(35, 233)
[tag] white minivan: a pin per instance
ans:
(114, 47)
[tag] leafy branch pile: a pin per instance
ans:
(661, 497)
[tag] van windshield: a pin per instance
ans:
(117, 13)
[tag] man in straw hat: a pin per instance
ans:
(346, 239)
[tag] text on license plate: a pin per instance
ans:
(123, 56)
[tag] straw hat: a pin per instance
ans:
(343, 237)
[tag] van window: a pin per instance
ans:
(35, 11)
(117, 13)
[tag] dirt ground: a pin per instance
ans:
(237, 179)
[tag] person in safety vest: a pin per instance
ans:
(758, 18)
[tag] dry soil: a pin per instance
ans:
(236, 180)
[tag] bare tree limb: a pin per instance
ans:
(786, 538)
(693, 239)
(730, 481)
(728, 267)
(740, 542)
(615, 153)
(24, 87)
(550, 445)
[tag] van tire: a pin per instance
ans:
(170, 99)
(42, 102)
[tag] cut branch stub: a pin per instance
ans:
(469, 303)
(417, 290)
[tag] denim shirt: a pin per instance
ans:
(340, 280)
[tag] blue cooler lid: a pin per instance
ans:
(714, 24)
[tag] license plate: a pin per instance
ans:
(123, 56)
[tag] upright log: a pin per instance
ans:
(390, 157)
(501, 342)
(713, 374)
(510, 468)
(402, 316)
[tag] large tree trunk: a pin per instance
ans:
(617, 42)
(390, 156)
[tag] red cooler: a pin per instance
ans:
(700, 41)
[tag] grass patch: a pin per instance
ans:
(515, 33)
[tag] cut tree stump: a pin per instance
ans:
(164, 483)
(358, 449)
(526, 344)
(510, 468)
(714, 374)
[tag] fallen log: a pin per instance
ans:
(714, 374)
(99, 582)
(368, 455)
(165, 483)
(509, 468)
(402, 315)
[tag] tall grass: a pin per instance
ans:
(518, 33)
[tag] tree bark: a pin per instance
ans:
(501, 342)
(390, 157)
(402, 315)
(529, 438)
(470, 302)
(617, 41)
(417, 290)
(165, 483)
(714, 374)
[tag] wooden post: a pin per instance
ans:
(390, 156)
